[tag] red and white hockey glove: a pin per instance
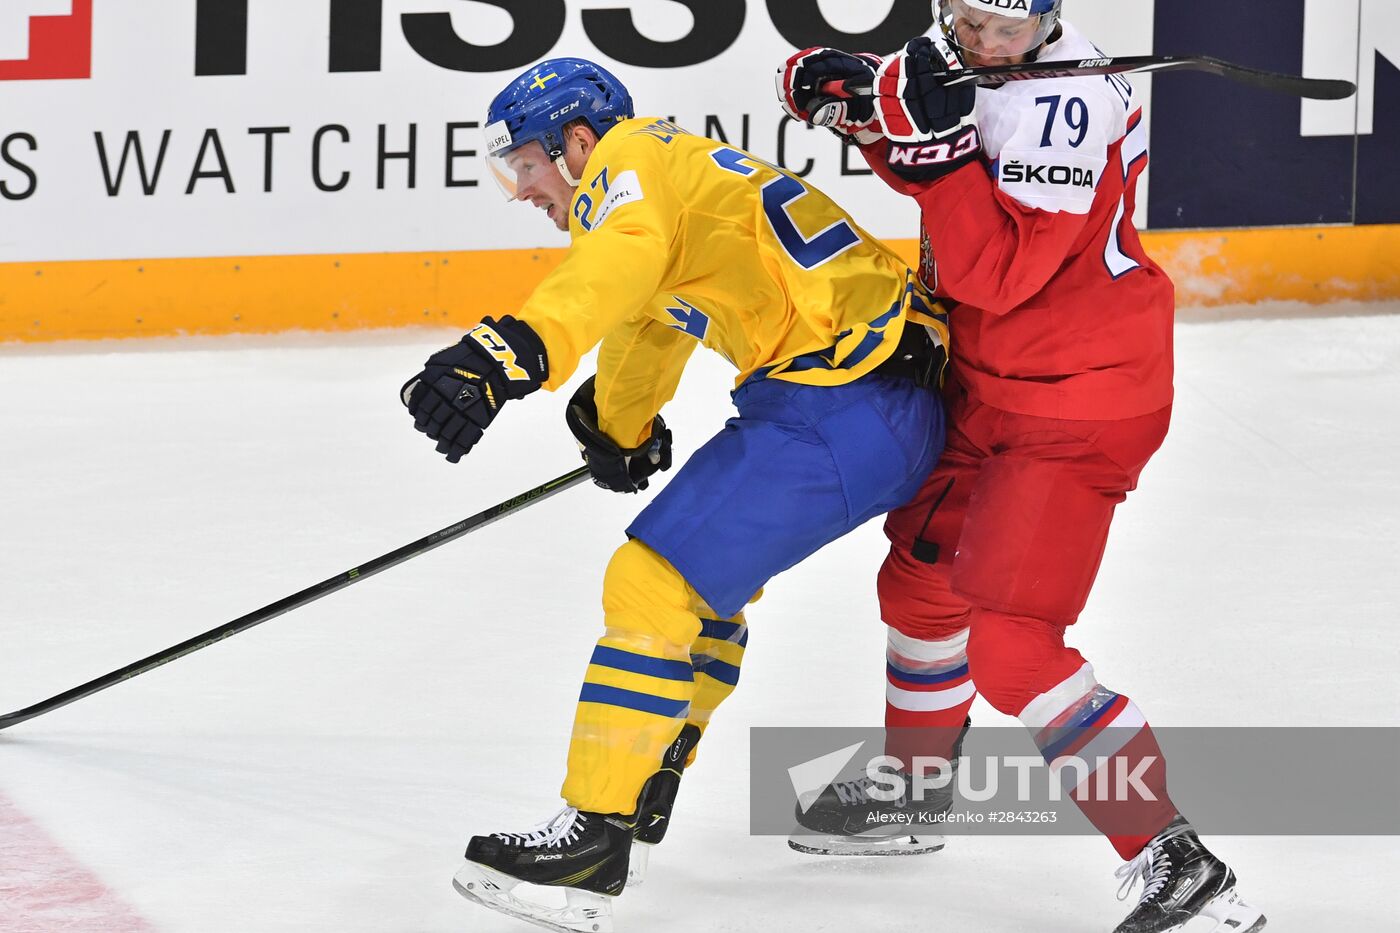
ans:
(818, 86)
(929, 123)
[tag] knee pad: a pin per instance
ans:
(1014, 659)
(916, 600)
(1033, 540)
(716, 657)
(646, 599)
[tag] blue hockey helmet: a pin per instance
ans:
(991, 29)
(538, 104)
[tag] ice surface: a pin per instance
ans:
(323, 772)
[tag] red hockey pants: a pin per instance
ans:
(1006, 536)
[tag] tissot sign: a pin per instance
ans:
(43, 39)
(234, 127)
(356, 32)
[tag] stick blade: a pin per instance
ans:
(1311, 88)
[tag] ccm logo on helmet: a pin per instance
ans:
(563, 110)
(1070, 176)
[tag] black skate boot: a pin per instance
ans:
(657, 798)
(846, 820)
(1182, 881)
(583, 853)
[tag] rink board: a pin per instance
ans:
(45, 301)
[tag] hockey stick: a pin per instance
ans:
(1314, 88)
(296, 600)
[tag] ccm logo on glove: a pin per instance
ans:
(935, 153)
(462, 387)
(500, 351)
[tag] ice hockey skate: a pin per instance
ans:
(657, 799)
(845, 820)
(583, 854)
(1183, 881)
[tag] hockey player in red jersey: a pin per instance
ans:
(1061, 390)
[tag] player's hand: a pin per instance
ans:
(912, 101)
(818, 86)
(614, 467)
(462, 387)
(929, 123)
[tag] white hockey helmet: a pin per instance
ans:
(997, 29)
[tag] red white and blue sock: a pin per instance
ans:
(928, 692)
(1103, 751)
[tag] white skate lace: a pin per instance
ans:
(560, 829)
(851, 792)
(857, 792)
(1153, 865)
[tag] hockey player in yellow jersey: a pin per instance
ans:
(677, 241)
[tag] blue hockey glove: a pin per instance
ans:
(462, 387)
(614, 467)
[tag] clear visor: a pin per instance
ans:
(985, 37)
(523, 167)
(515, 167)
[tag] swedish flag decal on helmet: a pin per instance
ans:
(539, 103)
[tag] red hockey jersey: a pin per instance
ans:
(1060, 313)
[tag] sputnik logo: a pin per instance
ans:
(42, 39)
(811, 778)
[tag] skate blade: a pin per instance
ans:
(903, 844)
(583, 911)
(1232, 915)
(637, 863)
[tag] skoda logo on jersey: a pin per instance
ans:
(1063, 175)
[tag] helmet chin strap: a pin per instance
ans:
(563, 164)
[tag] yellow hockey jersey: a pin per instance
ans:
(679, 240)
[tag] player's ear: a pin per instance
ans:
(583, 135)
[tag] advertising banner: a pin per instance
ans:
(199, 166)
(176, 128)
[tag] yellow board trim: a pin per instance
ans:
(88, 300)
(1317, 265)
